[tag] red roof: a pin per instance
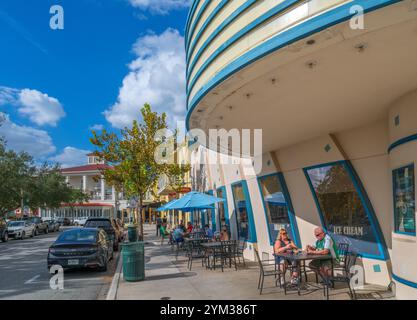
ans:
(90, 167)
(85, 205)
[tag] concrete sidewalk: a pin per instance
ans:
(168, 278)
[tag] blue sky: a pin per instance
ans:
(111, 57)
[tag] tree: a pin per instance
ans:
(16, 170)
(132, 157)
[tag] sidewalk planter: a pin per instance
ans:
(132, 233)
(133, 257)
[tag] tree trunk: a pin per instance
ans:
(140, 219)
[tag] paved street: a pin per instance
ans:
(24, 274)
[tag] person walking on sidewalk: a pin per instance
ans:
(158, 225)
(164, 232)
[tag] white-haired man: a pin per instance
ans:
(325, 245)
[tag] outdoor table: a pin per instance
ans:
(302, 257)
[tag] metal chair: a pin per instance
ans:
(343, 249)
(265, 271)
(240, 249)
(345, 276)
(193, 251)
(228, 252)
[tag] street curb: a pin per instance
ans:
(112, 294)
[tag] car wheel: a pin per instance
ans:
(23, 235)
(104, 267)
(5, 237)
(46, 230)
(36, 232)
(32, 234)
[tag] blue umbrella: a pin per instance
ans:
(193, 201)
(166, 206)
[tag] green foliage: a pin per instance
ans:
(48, 189)
(21, 181)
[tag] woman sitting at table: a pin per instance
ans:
(283, 244)
(224, 234)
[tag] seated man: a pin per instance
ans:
(178, 234)
(324, 245)
(208, 231)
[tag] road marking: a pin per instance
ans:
(111, 295)
(33, 279)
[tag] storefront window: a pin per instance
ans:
(276, 206)
(242, 212)
(404, 200)
(343, 212)
(223, 218)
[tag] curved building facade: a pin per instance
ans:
(333, 86)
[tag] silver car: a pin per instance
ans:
(20, 229)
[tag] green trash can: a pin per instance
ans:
(132, 233)
(133, 258)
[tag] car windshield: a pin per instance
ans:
(105, 224)
(78, 235)
(16, 223)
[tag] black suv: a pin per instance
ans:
(4, 236)
(40, 226)
(107, 225)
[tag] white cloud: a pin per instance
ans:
(160, 6)
(40, 108)
(71, 157)
(36, 142)
(97, 127)
(157, 77)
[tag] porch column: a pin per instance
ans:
(103, 186)
(84, 183)
(113, 193)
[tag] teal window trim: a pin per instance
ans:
(226, 208)
(394, 184)
(211, 17)
(290, 208)
(382, 248)
(221, 27)
(189, 18)
(404, 281)
(301, 31)
(402, 141)
(213, 212)
(203, 8)
(236, 37)
(251, 221)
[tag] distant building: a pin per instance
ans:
(104, 200)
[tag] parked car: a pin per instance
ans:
(53, 225)
(81, 248)
(21, 229)
(40, 226)
(107, 225)
(64, 221)
(4, 236)
(80, 221)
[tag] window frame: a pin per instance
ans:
(225, 206)
(290, 208)
(411, 234)
(369, 211)
(252, 237)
